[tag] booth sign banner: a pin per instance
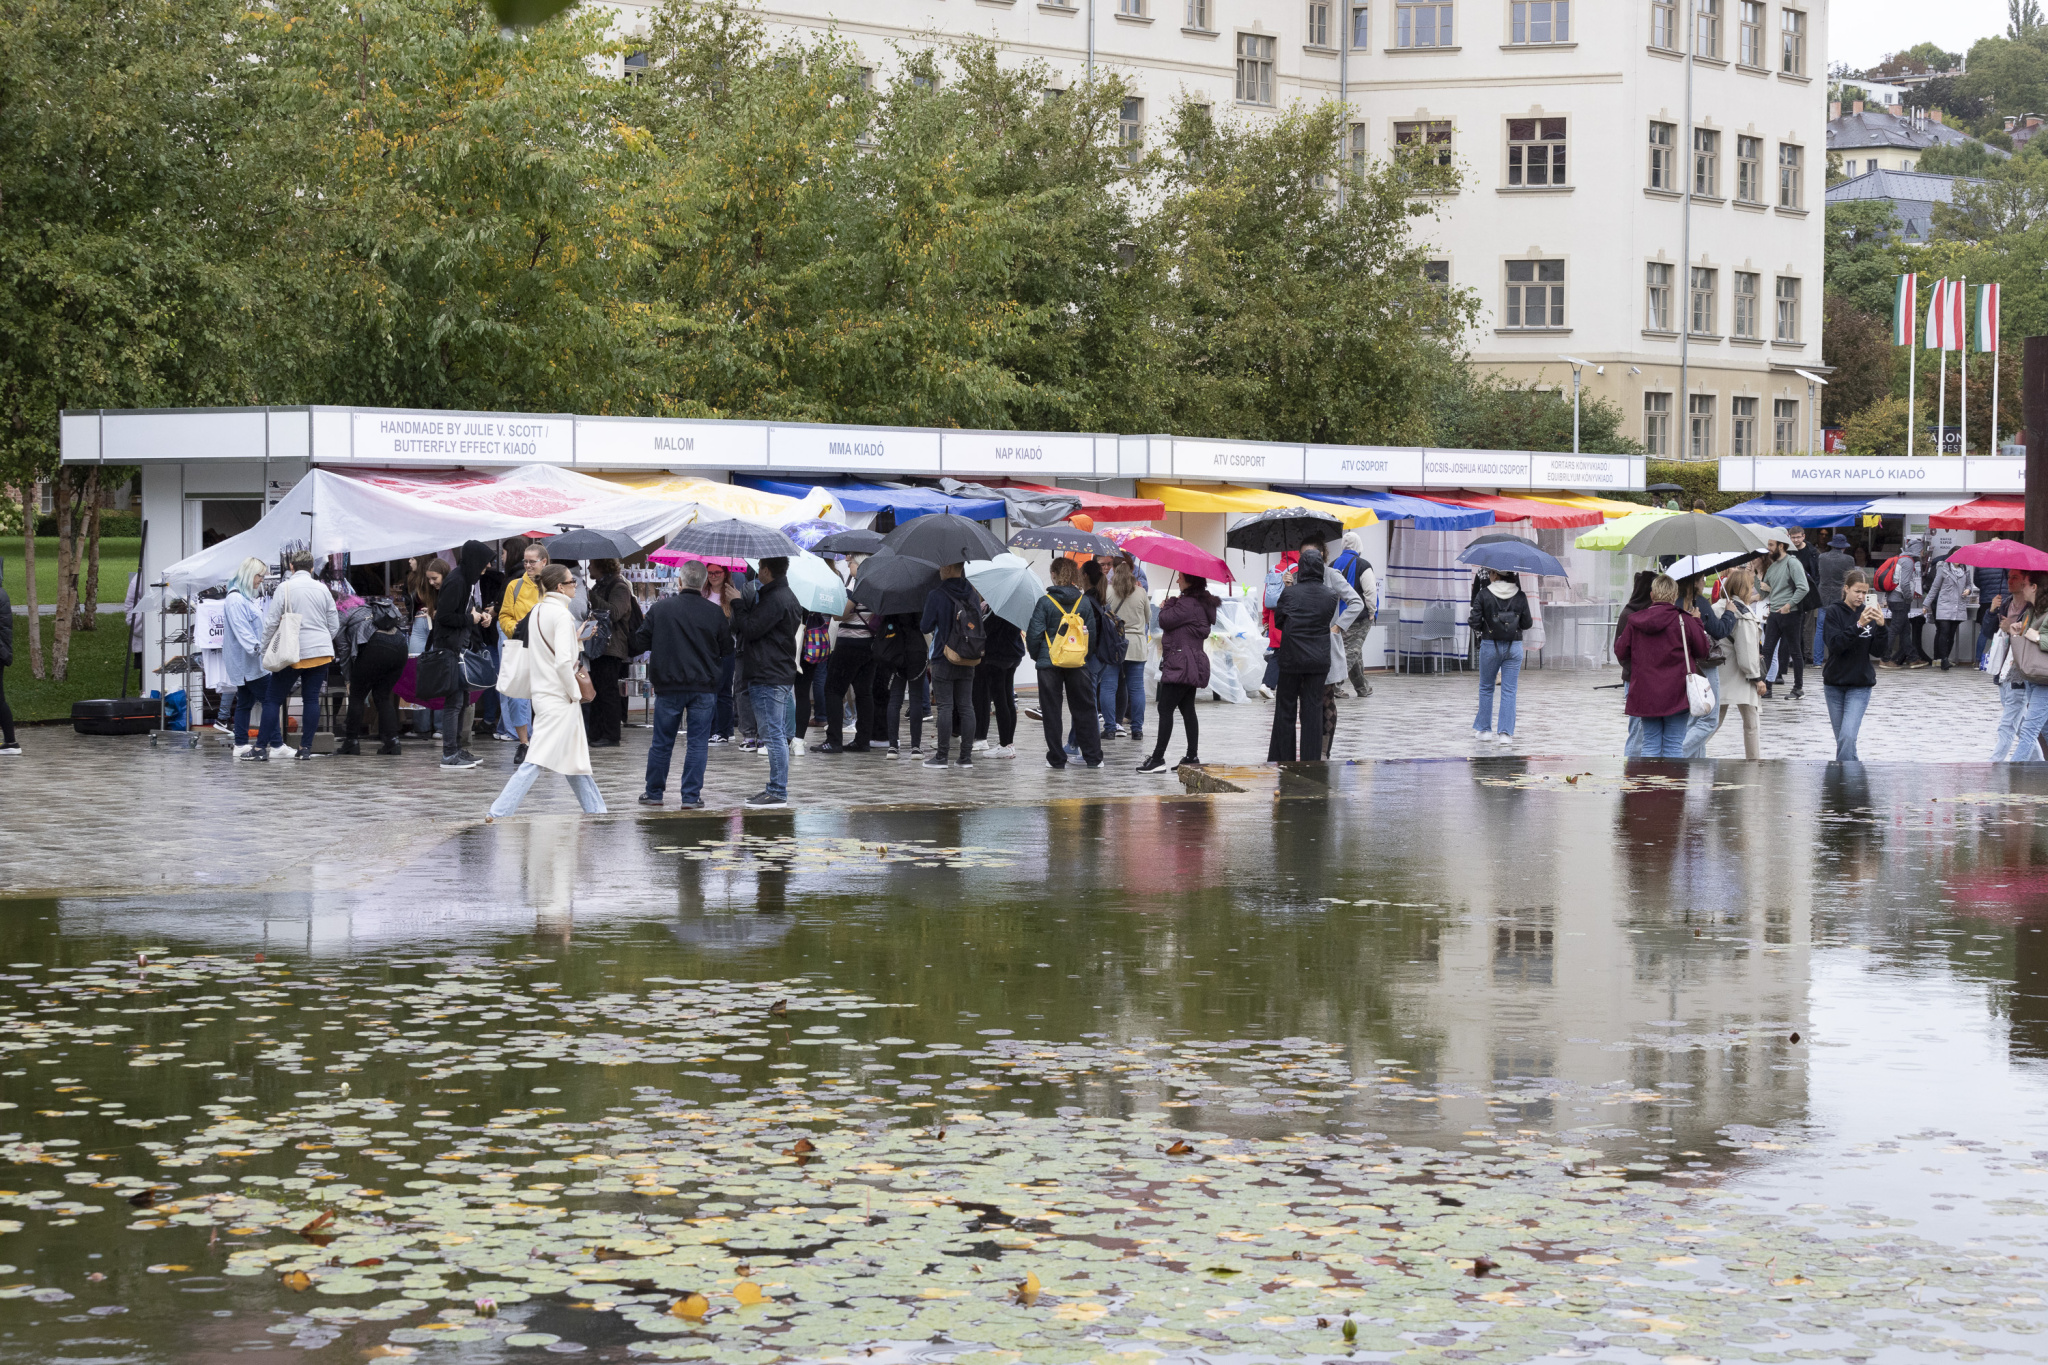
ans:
(1589, 473)
(1019, 453)
(1344, 466)
(657, 443)
(1237, 461)
(1475, 469)
(1878, 474)
(853, 450)
(445, 438)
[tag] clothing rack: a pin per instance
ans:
(170, 611)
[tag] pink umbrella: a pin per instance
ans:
(1171, 552)
(2001, 554)
(668, 556)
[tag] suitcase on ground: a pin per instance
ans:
(115, 716)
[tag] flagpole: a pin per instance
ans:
(1963, 359)
(1912, 365)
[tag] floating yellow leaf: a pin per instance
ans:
(298, 1281)
(690, 1306)
(748, 1293)
(1083, 1312)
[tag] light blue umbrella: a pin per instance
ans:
(1008, 585)
(809, 533)
(817, 588)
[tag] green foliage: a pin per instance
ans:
(1858, 344)
(1971, 158)
(1862, 257)
(1933, 56)
(2023, 18)
(1880, 427)
(2011, 72)
(1472, 411)
(1699, 478)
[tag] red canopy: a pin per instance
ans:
(1984, 514)
(1543, 515)
(1101, 506)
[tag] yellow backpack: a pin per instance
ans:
(1068, 646)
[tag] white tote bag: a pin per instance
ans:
(282, 650)
(1699, 693)
(515, 670)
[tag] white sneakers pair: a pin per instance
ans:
(1487, 738)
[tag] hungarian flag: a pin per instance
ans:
(1905, 309)
(1940, 336)
(1987, 317)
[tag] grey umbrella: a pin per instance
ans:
(586, 542)
(1692, 533)
(734, 539)
(855, 542)
(1281, 530)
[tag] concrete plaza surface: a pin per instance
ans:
(84, 813)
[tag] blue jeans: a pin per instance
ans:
(2027, 747)
(670, 710)
(515, 714)
(1820, 643)
(774, 707)
(247, 696)
(1702, 728)
(1129, 676)
(2012, 708)
(1664, 736)
(280, 690)
(1504, 659)
(522, 783)
(1846, 706)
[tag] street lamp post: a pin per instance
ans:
(1577, 365)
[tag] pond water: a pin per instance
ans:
(1501, 1061)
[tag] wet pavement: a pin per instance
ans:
(1508, 1059)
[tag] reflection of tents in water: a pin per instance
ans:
(731, 933)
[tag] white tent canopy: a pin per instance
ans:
(376, 515)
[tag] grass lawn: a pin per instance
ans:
(95, 655)
(117, 561)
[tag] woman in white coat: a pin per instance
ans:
(556, 658)
(1742, 670)
(305, 660)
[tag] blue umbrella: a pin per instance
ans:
(809, 533)
(1008, 585)
(815, 586)
(1511, 556)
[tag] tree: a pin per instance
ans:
(1862, 257)
(2010, 72)
(1471, 411)
(1948, 94)
(1880, 428)
(1287, 312)
(2023, 18)
(2012, 198)
(1859, 347)
(1932, 56)
(1970, 158)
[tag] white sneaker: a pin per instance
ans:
(796, 748)
(1003, 751)
(1505, 741)
(982, 746)
(242, 750)
(1482, 737)
(223, 727)
(10, 751)
(281, 751)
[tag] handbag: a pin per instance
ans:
(479, 669)
(1699, 693)
(2030, 660)
(515, 664)
(283, 650)
(586, 690)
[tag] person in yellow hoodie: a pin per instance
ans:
(522, 595)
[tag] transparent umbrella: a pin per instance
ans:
(816, 586)
(1008, 585)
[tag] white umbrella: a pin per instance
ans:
(816, 586)
(1008, 585)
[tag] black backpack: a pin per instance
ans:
(385, 615)
(967, 642)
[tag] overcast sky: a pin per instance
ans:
(1865, 30)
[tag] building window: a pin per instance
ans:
(1706, 36)
(1745, 324)
(1254, 69)
(1752, 50)
(1198, 14)
(1706, 162)
(1905, 163)
(1794, 49)
(1135, 8)
(1785, 426)
(1657, 423)
(1535, 294)
(1749, 170)
(1130, 128)
(1438, 273)
(636, 65)
(1540, 21)
(1357, 149)
(1422, 25)
(1663, 165)
(1435, 133)
(1536, 151)
(1699, 426)
(1788, 308)
(1701, 310)
(1789, 194)
(1742, 426)
(1361, 27)
(1657, 298)
(1664, 24)
(1318, 23)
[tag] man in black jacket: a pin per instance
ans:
(459, 618)
(1303, 614)
(768, 627)
(689, 637)
(1807, 612)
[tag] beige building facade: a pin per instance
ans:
(1642, 183)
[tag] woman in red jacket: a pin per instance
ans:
(1660, 645)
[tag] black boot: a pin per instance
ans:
(348, 746)
(389, 746)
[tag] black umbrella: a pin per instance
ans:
(586, 542)
(942, 538)
(733, 539)
(1495, 537)
(1064, 536)
(1281, 530)
(1665, 488)
(892, 584)
(850, 543)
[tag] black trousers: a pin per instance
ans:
(1069, 686)
(851, 665)
(953, 707)
(806, 690)
(604, 716)
(902, 683)
(1944, 640)
(371, 678)
(1178, 697)
(1906, 635)
(1299, 695)
(995, 693)
(1782, 632)
(6, 711)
